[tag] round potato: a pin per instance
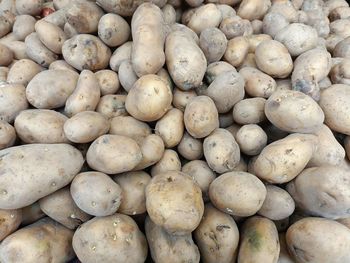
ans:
(190, 148)
(113, 30)
(199, 20)
(235, 26)
(183, 198)
(22, 72)
(251, 9)
(108, 81)
(182, 97)
(236, 50)
(112, 106)
(169, 162)
(213, 44)
(7, 135)
(10, 221)
(251, 139)
(249, 111)
(12, 101)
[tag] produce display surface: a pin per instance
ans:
(174, 131)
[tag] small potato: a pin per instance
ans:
(334, 103)
(50, 89)
(114, 238)
(221, 151)
(201, 116)
(223, 247)
(201, 174)
(112, 106)
(85, 51)
(236, 51)
(282, 160)
(234, 26)
(127, 75)
(31, 214)
(251, 9)
(42, 241)
(119, 55)
(50, 35)
(61, 65)
(200, 19)
(96, 193)
(185, 60)
(190, 148)
(31, 7)
(249, 111)
(306, 116)
(113, 154)
(171, 127)
(108, 81)
(318, 194)
(6, 55)
(113, 30)
(217, 68)
(183, 197)
(257, 83)
(340, 74)
(149, 99)
(181, 98)
(213, 44)
(308, 241)
(273, 58)
(12, 101)
(259, 241)
(133, 186)
(86, 95)
(61, 207)
(251, 139)
(169, 162)
(10, 221)
(22, 72)
(23, 26)
(85, 127)
(7, 135)
(163, 244)
(130, 127)
(237, 201)
(40, 126)
(278, 204)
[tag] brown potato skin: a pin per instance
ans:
(10, 221)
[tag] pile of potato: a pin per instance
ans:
(172, 131)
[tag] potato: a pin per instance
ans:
(340, 27)
(251, 9)
(112, 106)
(190, 148)
(108, 81)
(185, 61)
(124, 8)
(61, 65)
(235, 26)
(7, 135)
(282, 160)
(213, 44)
(6, 55)
(23, 26)
(165, 76)
(50, 89)
(22, 72)
(40, 126)
(341, 49)
(50, 35)
(52, 165)
(57, 18)
(85, 127)
(169, 162)
(12, 101)
(334, 105)
(249, 111)
(308, 241)
(6, 23)
(10, 221)
(45, 240)
(306, 116)
(340, 74)
(255, 40)
(32, 7)
(119, 55)
(113, 30)
(251, 139)
(61, 207)
(163, 244)
(200, 19)
(85, 51)
(31, 214)
(259, 241)
(127, 75)
(96, 193)
(225, 8)
(181, 98)
(236, 51)
(186, 30)
(183, 197)
(114, 238)
(215, 69)
(38, 52)
(342, 12)
(237, 200)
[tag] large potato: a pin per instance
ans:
(111, 105)
(318, 240)
(244, 193)
(174, 202)
(9, 222)
(61, 207)
(41, 242)
(149, 99)
(190, 148)
(221, 151)
(50, 89)
(50, 35)
(40, 126)
(249, 111)
(259, 241)
(113, 154)
(114, 238)
(22, 72)
(169, 162)
(42, 168)
(293, 111)
(12, 101)
(164, 245)
(320, 194)
(217, 236)
(7, 135)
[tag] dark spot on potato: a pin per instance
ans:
(254, 239)
(222, 227)
(169, 179)
(288, 151)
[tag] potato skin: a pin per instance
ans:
(10, 221)
(23, 26)
(181, 98)
(199, 20)
(162, 245)
(249, 111)
(114, 238)
(190, 148)
(31, 214)
(7, 135)
(250, 9)
(169, 162)
(119, 55)
(53, 165)
(308, 241)
(108, 81)
(213, 44)
(50, 35)
(32, 7)
(223, 247)
(111, 105)
(112, 154)
(183, 196)
(22, 72)
(12, 101)
(251, 139)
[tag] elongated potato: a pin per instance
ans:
(12, 101)
(112, 106)
(50, 35)
(10, 221)
(42, 168)
(169, 162)
(40, 126)
(22, 72)
(7, 135)
(190, 148)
